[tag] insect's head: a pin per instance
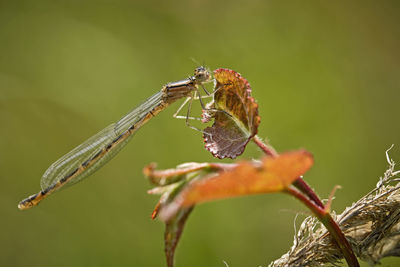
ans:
(202, 74)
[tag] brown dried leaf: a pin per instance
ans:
(235, 113)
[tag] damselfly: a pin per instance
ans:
(100, 148)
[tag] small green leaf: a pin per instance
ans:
(172, 234)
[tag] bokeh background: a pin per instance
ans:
(326, 76)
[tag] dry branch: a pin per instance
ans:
(371, 225)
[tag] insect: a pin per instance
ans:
(95, 152)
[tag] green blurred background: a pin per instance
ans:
(326, 75)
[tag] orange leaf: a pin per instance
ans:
(273, 175)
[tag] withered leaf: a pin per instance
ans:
(235, 115)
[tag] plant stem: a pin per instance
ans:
(306, 195)
(267, 149)
(299, 183)
(330, 224)
(306, 189)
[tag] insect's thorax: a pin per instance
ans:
(179, 89)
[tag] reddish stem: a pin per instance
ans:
(312, 201)
(299, 183)
(269, 150)
(330, 224)
(306, 189)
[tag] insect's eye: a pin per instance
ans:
(200, 69)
